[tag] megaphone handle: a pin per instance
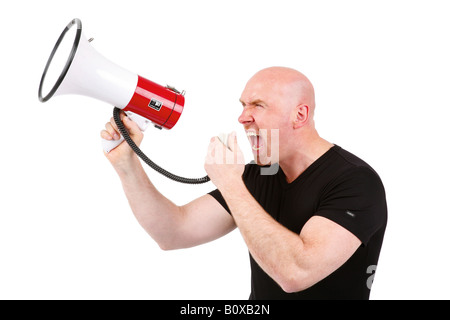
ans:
(142, 123)
(109, 145)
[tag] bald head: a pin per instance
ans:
(290, 85)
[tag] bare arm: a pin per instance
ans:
(171, 226)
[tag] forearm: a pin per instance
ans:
(155, 213)
(275, 248)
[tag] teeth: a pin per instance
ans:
(253, 134)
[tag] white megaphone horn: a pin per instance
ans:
(75, 67)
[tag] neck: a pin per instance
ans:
(308, 148)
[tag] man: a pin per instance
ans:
(314, 229)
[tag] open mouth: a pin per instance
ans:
(255, 140)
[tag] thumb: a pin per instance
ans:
(133, 129)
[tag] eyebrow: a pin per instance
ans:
(253, 102)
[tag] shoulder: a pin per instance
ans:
(355, 198)
(351, 168)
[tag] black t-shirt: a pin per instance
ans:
(338, 186)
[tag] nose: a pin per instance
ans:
(246, 117)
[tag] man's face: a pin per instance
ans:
(263, 119)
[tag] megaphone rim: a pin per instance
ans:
(69, 61)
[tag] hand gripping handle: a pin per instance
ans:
(142, 123)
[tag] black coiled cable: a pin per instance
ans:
(126, 136)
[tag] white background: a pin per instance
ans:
(381, 72)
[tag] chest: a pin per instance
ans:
(291, 206)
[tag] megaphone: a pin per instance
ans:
(75, 67)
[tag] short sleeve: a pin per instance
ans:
(355, 200)
(218, 196)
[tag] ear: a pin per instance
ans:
(300, 116)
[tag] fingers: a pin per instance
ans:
(106, 135)
(111, 131)
(211, 151)
(234, 154)
(218, 153)
(130, 125)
